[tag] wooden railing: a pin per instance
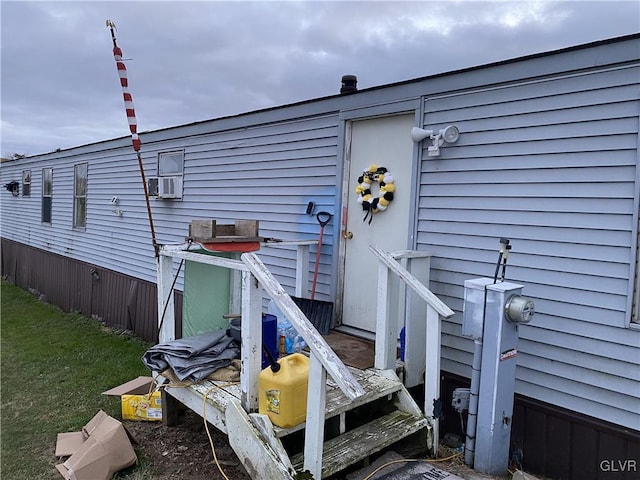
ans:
(256, 279)
(386, 330)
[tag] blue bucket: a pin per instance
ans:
(269, 335)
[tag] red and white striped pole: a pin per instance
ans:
(133, 125)
(124, 83)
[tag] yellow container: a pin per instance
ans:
(142, 407)
(283, 394)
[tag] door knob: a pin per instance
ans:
(347, 235)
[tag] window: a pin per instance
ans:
(170, 164)
(80, 195)
(26, 183)
(47, 194)
(170, 171)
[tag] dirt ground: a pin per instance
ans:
(183, 451)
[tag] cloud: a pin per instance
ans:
(190, 61)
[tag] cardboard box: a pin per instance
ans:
(137, 403)
(101, 449)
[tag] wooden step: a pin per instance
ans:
(357, 444)
(377, 384)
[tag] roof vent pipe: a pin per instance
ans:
(349, 84)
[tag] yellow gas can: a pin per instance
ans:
(283, 394)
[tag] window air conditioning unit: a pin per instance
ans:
(169, 187)
(164, 187)
(152, 186)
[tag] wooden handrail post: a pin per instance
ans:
(302, 270)
(251, 353)
(436, 310)
(166, 315)
(316, 405)
(415, 325)
(432, 373)
(412, 282)
(385, 347)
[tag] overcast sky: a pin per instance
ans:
(191, 61)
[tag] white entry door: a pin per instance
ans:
(386, 142)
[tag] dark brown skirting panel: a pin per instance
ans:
(118, 300)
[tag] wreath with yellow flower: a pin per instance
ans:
(370, 203)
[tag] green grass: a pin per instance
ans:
(54, 366)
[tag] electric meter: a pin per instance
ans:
(519, 309)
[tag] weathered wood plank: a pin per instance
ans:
(403, 401)
(376, 385)
(208, 231)
(251, 353)
(202, 258)
(247, 228)
(302, 270)
(166, 316)
(385, 349)
(265, 427)
(410, 280)
(409, 254)
(432, 373)
(169, 409)
(202, 228)
(354, 445)
(248, 444)
(227, 239)
(316, 406)
(218, 392)
(218, 398)
(415, 325)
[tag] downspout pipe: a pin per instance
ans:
(472, 418)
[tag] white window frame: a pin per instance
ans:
(178, 157)
(80, 196)
(26, 183)
(47, 194)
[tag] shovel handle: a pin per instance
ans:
(324, 218)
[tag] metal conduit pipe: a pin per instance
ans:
(470, 442)
(474, 391)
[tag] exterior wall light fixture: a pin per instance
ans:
(450, 134)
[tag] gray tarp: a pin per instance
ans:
(193, 358)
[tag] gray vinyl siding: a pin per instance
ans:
(264, 171)
(551, 165)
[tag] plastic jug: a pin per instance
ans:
(283, 394)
